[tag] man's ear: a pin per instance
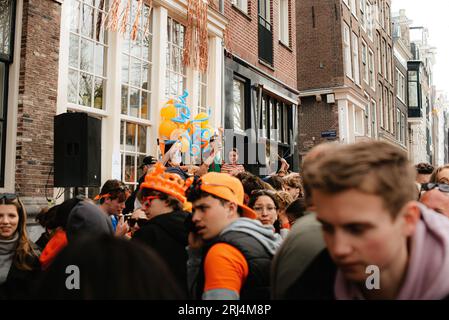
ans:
(410, 215)
(233, 209)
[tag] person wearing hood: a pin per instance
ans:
(380, 242)
(230, 251)
(163, 196)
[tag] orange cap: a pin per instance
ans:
(168, 183)
(228, 188)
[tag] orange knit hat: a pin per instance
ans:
(168, 183)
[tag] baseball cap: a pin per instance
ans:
(226, 187)
(149, 160)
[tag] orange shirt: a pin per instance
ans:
(225, 267)
(57, 242)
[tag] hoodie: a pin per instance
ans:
(263, 234)
(428, 266)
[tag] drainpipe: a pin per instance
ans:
(221, 6)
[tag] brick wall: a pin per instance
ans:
(315, 117)
(37, 98)
(243, 29)
(319, 44)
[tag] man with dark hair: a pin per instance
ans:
(423, 170)
(230, 251)
(131, 203)
(112, 199)
(163, 197)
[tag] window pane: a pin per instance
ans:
(134, 98)
(74, 51)
(144, 109)
(73, 86)
(85, 91)
(129, 168)
(136, 48)
(124, 99)
(98, 93)
(122, 135)
(238, 102)
(130, 136)
(2, 89)
(125, 68)
(75, 16)
(135, 76)
(99, 60)
(87, 56)
(142, 139)
(146, 76)
(87, 24)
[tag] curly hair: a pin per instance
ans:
(424, 168)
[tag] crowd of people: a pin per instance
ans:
(218, 232)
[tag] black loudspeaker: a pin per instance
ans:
(77, 150)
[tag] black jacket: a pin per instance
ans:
(257, 284)
(19, 284)
(167, 235)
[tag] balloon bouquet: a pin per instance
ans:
(179, 130)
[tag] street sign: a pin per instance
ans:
(329, 134)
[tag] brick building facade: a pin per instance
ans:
(260, 80)
(345, 69)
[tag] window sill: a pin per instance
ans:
(266, 64)
(286, 46)
(243, 13)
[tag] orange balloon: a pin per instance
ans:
(166, 128)
(168, 112)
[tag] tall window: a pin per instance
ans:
(347, 47)
(374, 118)
(384, 58)
(355, 55)
(365, 71)
(363, 14)
(372, 79)
(133, 147)
(386, 111)
(403, 128)
(6, 45)
(400, 85)
(176, 78)
(398, 125)
(381, 106)
(136, 67)
(369, 17)
(353, 7)
(265, 31)
(238, 98)
(391, 110)
(389, 64)
(387, 19)
(413, 89)
(284, 22)
(241, 4)
(87, 54)
(379, 54)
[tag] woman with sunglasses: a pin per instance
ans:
(137, 220)
(19, 264)
(162, 196)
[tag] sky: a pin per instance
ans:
(434, 15)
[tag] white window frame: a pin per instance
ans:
(400, 85)
(355, 56)
(372, 73)
(363, 14)
(365, 69)
(374, 117)
(369, 17)
(241, 5)
(347, 50)
(284, 22)
(354, 8)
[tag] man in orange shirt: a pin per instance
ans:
(229, 250)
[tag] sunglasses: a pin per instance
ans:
(149, 199)
(140, 222)
(8, 196)
(440, 186)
